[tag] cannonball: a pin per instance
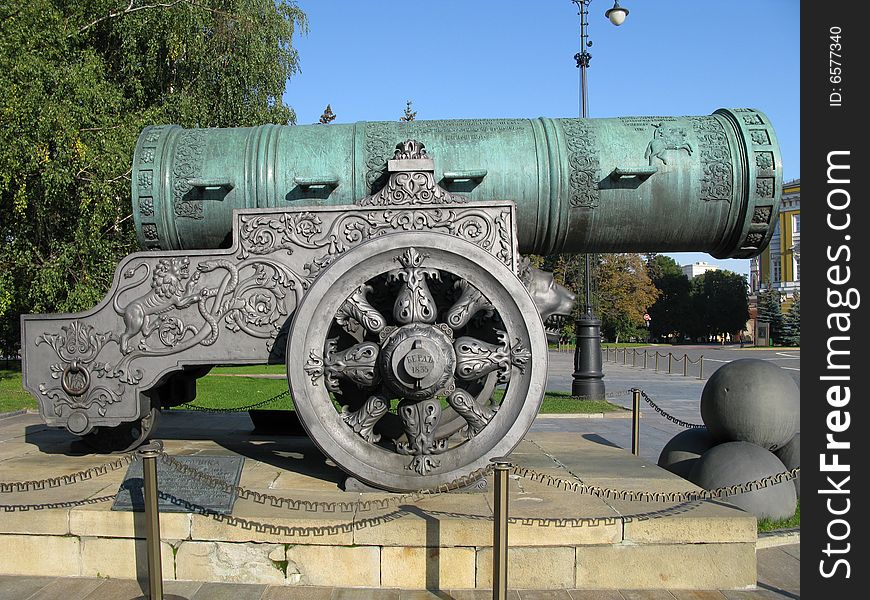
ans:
(790, 455)
(741, 462)
(680, 453)
(751, 400)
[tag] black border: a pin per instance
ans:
(827, 128)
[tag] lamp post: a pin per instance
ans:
(587, 378)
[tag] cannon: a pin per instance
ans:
(382, 264)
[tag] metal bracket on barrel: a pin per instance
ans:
(469, 175)
(327, 181)
(211, 184)
(641, 173)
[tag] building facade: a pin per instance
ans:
(699, 268)
(778, 268)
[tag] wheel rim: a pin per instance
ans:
(409, 465)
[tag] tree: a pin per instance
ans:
(721, 302)
(80, 79)
(673, 309)
(625, 293)
(409, 115)
(769, 311)
(328, 116)
(791, 323)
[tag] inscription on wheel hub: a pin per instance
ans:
(417, 360)
(419, 363)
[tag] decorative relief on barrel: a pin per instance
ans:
(766, 171)
(764, 187)
(380, 139)
(146, 207)
(665, 138)
(582, 141)
(188, 163)
(717, 173)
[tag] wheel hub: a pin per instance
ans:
(417, 360)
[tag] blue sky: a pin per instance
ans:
(485, 59)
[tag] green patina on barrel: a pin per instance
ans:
(628, 184)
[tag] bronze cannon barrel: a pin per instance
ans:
(602, 185)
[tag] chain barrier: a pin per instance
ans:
(8, 487)
(188, 406)
(666, 415)
(368, 505)
(635, 496)
(607, 395)
(50, 505)
(318, 506)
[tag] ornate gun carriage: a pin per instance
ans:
(392, 287)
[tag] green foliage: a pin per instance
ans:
(328, 116)
(721, 303)
(791, 324)
(770, 311)
(625, 293)
(766, 524)
(409, 114)
(673, 308)
(80, 79)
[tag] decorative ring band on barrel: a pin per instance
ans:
(602, 185)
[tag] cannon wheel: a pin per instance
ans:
(510, 341)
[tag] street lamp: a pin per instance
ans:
(587, 378)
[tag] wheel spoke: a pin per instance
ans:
(357, 364)
(471, 301)
(414, 302)
(475, 415)
(420, 420)
(363, 421)
(475, 358)
(358, 312)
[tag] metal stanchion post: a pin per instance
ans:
(657, 360)
(149, 453)
(635, 422)
(633, 356)
(624, 355)
(701, 368)
(644, 358)
(685, 365)
(670, 356)
(500, 529)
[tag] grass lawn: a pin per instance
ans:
(12, 395)
(218, 391)
(229, 392)
(765, 525)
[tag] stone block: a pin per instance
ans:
(27, 555)
(446, 520)
(101, 521)
(50, 522)
(536, 568)
(122, 558)
(664, 566)
(227, 562)
(550, 517)
(417, 568)
(705, 523)
(339, 566)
